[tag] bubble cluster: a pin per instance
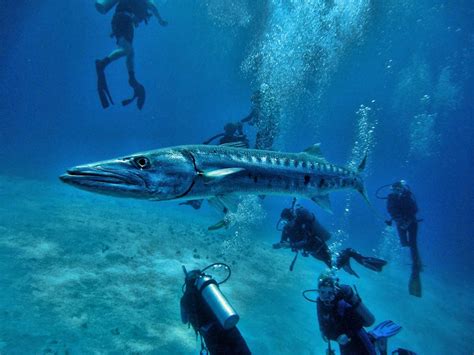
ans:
(389, 247)
(364, 145)
(421, 99)
(365, 137)
(423, 136)
(229, 13)
(301, 45)
(250, 213)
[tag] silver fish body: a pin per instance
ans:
(203, 172)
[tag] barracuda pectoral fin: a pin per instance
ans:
(218, 174)
(224, 223)
(315, 151)
(323, 202)
(224, 204)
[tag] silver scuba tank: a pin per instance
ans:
(216, 301)
(104, 6)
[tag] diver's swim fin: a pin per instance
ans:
(401, 351)
(102, 88)
(386, 329)
(138, 92)
(371, 263)
(382, 332)
(348, 268)
(343, 261)
(414, 285)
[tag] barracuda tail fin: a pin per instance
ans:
(361, 188)
(363, 192)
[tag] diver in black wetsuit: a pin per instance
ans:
(303, 232)
(342, 317)
(264, 115)
(233, 133)
(128, 14)
(216, 324)
(402, 207)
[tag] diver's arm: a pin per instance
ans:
(355, 301)
(299, 245)
(249, 118)
(156, 13)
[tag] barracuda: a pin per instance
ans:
(192, 172)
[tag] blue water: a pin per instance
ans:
(391, 78)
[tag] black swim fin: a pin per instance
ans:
(401, 351)
(343, 261)
(414, 285)
(371, 263)
(102, 88)
(138, 92)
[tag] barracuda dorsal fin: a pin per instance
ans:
(239, 144)
(315, 151)
(323, 202)
(362, 164)
(213, 175)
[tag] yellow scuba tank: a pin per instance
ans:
(104, 6)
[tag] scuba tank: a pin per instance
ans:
(104, 6)
(217, 302)
(208, 288)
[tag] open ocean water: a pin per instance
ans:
(82, 273)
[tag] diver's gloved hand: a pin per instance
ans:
(343, 339)
(325, 339)
(349, 295)
(388, 222)
(162, 22)
(276, 246)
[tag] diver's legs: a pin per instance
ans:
(125, 48)
(402, 234)
(369, 262)
(321, 252)
(415, 256)
(130, 60)
(138, 91)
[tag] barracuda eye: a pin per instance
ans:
(142, 162)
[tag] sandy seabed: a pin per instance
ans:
(88, 274)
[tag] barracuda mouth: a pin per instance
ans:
(99, 177)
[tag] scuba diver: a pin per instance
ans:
(233, 133)
(402, 207)
(342, 317)
(264, 115)
(204, 307)
(128, 14)
(303, 232)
